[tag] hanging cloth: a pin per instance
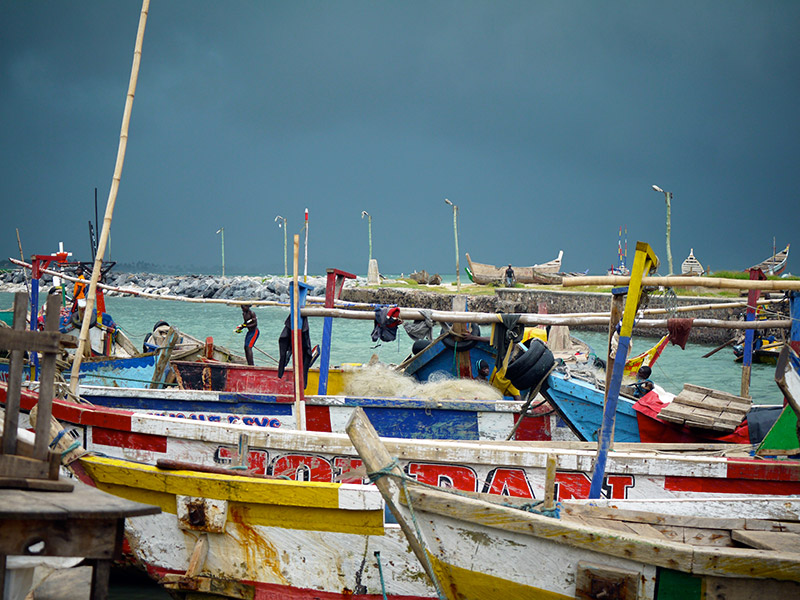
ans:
(421, 329)
(504, 335)
(386, 322)
(285, 346)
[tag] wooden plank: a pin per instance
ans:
(31, 341)
(768, 540)
(22, 467)
(47, 384)
(11, 420)
(92, 538)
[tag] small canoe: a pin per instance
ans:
(775, 264)
(545, 273)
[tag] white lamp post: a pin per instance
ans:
(281, 221)
(667, 198)
(455, 232)
(369, 224)
(221, 231)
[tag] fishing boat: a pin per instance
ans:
(232, 534)
(657, 470)
(621, 268)
(775, 264)
(766, 350)
(545, 273)
(479, 546)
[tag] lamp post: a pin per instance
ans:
(221, 231)
(667, 198)
(369, 225)
(455, 232)
(281, 221)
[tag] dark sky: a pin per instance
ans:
(545, 122)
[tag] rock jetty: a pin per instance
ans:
(188, 286)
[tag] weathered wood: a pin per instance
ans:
(768, 540)
(709, 282)
(376, 459)
(210, 587)
(550, 482)
(47, 382)
(11, 420)
(198, 557)
(164, 356)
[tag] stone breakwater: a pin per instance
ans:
(511, 300)
(188, 286)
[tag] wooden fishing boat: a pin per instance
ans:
(765, 350)
(482, 546)
(775, 264)
(712, 416)
(234, 535)
(545, 273)
(646, 358)
(509, 468)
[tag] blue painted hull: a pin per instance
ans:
(581, 405)
(441, 360)
(134, 372)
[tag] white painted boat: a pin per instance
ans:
(489, 547)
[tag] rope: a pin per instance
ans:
(380, 572)
(388, 470)
(59, 435)
(75, 444)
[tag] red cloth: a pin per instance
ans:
(679, 330)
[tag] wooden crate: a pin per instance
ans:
(704, 408)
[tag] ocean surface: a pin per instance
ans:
(352, 344)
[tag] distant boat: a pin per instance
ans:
(542, 273)
(692, 266)
(775, 264)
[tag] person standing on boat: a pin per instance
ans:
(251, 323)
(509, 277)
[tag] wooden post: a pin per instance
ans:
(112, 199)
(617, 307)
(644, 261)
(333, 289)
(550, 482)
(376, 458)
(159, 373)
(11, 421)
(750, 315)
(794, 313)
(462, 359)
(297, 356)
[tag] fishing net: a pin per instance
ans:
(383, 381)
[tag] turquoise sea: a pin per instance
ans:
(352, 343)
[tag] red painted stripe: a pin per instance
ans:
(79, 414)
(533, 427)
(318, 418)
(759, 469)
(718, 485)
(134, 441)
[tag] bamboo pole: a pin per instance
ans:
(83, 341)
(366, 306)
(770, 285)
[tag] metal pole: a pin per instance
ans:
(455, 233)
(305, 257)
(221, 231)
(369, 225)
(667, 199)
(278, 220)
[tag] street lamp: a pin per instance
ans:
(369, 222)
(455, 232)
(221, 231)
(667, 198)
(281, 221)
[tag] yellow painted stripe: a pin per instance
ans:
(212, 485)
(139, 483)
(459, 584)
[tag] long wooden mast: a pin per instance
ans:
(112, 198)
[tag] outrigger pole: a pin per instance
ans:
(83, 341)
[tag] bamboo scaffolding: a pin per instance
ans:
(573, 319)
(771, 285)
(83, 340)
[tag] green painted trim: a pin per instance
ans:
(783, 435)
(676, 585)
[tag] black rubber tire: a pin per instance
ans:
(523, 363)
(452, 341)
(535, 373)
(419, 345)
